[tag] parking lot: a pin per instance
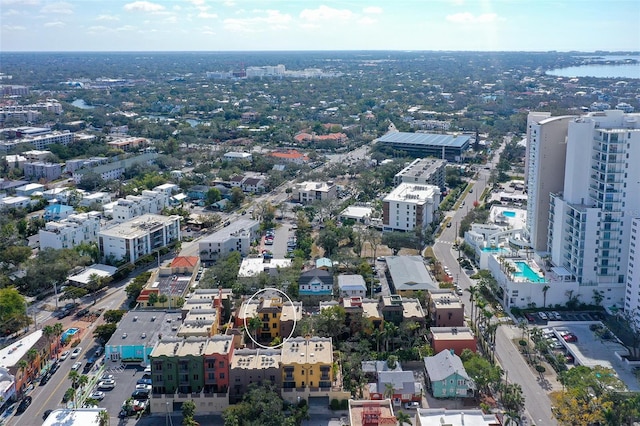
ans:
(126, 378)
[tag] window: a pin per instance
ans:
(222, 375)
(221, 364)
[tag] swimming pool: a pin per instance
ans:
(509, 213)
(67, 334)
(494, 249)
(527, 273)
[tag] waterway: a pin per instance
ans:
(602, 70)
(80, 103)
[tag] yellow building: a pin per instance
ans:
(277, 317)
(307, 362)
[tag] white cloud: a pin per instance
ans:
(21, 2)
(367, 20)
(127, 28)
(55, 24)
(107, 18)
(207, 30)
(469, 18)
(144, 6)
(229, 3)
(61, 8)
(13, 28)
(196, 2)
(457, 2)
(207, 15)
(11, 12)
(273, 20)
(325, 13)
(372, 10)
(97, 29)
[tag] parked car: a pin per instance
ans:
(543, 316)
(144, 381)
(530, 317)
(76, 352)
(64, 355)
(76, 366)
(411, 405)
(140, 394)
(107, 377)
(97, 395)
(556, 316)
(107, 384)
(147, 369)
(45, 379)
(143, 387)
(24, 404)
(46, 414)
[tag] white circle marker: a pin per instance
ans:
(244, 319)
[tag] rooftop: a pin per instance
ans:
(139, 226)
(13, 353)
(312, 350)
(252, 266)
(409, 273)
(98, 269)
(365, 412)
(76, 417)
(169, 285)
(412, 193)
(255, 359)
(351, 281)
(439, 140)
(451, 333)
(241, 225)
(137, 328)
(443, 365)
(446, 300)
(253, 308)
(441, 416)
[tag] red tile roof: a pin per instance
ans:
(185, 261)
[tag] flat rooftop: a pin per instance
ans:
(77, 417)
(427, 139)
(13, 353)
(252, 266)
(414, 193)
(314, 350)
(368, 412)
(139, 226)
(145, 328)
(170, 285)
(437, 416)
(254, 359)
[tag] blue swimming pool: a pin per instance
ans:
(509, 213)
(494, 249)
(527, 273)
(68, 334)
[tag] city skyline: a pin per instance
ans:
(252, 25)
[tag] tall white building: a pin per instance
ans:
(590, 227)
(138, 237)
(69, 232)
(149, 202)
(409, 206)
(544, 170)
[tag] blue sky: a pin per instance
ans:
(223, 25)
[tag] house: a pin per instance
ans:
(400, 386)
(359, 214)
(396, 309)
(316, 282)
(290, 156)
(371, 413)
(309, 192)
(56, 212)
(198, 192)
(255, 185)
(446, 377)
(238, 156)
(442, 416)
(351, 285)
(455, 338)
(324, 263)
(236, 181)
(445, 309)
(29, 189)
(372, 368)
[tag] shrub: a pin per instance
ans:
(344, 404)
(75, 343)
(335, 404)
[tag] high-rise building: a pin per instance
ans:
(591, 210)
(544, 170)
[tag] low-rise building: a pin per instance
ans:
(40, 170)
(169, 284)
(116, 169)
(359, 214)
(238, 156)
(29, 189)
(128, 143)
(307, 363)
(309, 192)
(15, 202)
(408, 275)
(410, 206)
(405, 387)
(56, 212)
(290, 156)
(445, 309)
(423, 171)
(442, 416)
(250, 366)
(371, 413)
(452, 338)
(277, 317)
(84, 277)
(352, 285)
(95, 198)
(148, 202)
(237, 236)
(68, 233)
(74, 417)
(396, 309)
(254, 266)
(446, 377)
(316, 283)
(138, 237)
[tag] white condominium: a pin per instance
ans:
(590, 227)
(409, 206)
(69, 232)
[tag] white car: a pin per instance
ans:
(143, 387)
(76, 366)
(106, 377)
(107, 384)
(98, 395)
(543, 316)
(64, 355)
(412, 404)
(76, 352)
(147, 369)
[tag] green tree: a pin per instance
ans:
(104, 332)
(403, 418)
(73, 293)
(261, 405)
(188, 411)
(13, 310)
(213, 196)
(330, 322)
(153, 299)
(237, 197)
(114, 315)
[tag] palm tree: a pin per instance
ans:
(83, 380)
(58, 328)
(403, 418)
(473, 291)
(49, 333)
(22, 366)
(389, 332)
(103, 418)
(388, 390)
(253, 325)
(544, 295)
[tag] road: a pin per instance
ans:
(49, 396)
(537, 403)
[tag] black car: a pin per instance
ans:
(45, 379)
(144, 381)
(46, 414)
(24, 404)
(140, 394)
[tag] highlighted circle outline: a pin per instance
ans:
(244, 319)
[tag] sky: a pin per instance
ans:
(259, 25)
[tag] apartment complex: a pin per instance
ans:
(309, 192)
(250, 366)
(306, 363)
(277, 317)
(149, 202)
(115, 169)
(40, 170)
(237, 236)
(591, 179)
(69, 232)
(409, 206)
(423, 171)
(138, 237)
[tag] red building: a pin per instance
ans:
(217, 359)
(456, 338)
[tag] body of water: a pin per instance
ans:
(601, 71)
(80, 103)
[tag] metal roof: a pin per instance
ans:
(425, 139)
